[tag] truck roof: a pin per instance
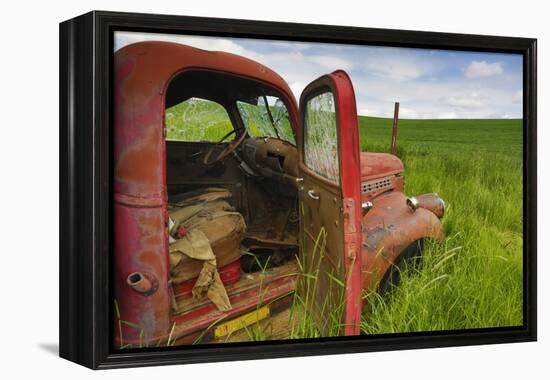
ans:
(154, 63)
(142, 74)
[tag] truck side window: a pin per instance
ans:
(320, 137)
(197, 120)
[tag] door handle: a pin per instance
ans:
(313, 195)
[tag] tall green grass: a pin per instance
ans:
(473, 279)
(329, 320)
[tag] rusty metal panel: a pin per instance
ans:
(373, 188)
(388, 228)
(142, 315)
(322, 242)
(377, 165)
(433, 203)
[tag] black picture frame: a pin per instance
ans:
(86, 46)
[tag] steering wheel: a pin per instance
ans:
(230, 148)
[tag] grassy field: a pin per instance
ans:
(474, 278)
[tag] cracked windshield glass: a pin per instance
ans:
(267, 117)
(198, 120)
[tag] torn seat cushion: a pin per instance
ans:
(223, 227)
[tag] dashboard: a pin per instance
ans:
(271, 158)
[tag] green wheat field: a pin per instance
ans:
(473, 279)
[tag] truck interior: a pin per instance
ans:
(229, 144)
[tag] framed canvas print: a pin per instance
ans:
(238, 189)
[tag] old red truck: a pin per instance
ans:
(294, 172)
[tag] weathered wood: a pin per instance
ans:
(393, 148)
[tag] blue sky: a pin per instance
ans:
(427, 83)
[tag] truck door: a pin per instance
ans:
(330, 205)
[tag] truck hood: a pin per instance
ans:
(377, 165)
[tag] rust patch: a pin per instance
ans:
(375, 238)
(377, 165)
(433, 203)
(388, 228)
(138, 166)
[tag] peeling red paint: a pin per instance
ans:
(377, 165)
(388, 228)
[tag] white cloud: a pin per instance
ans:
(479, 69)
(367, 112)
(331, 63)
(447, 115)
(292, 45)
(221, 44)
(297, 88)
(206, 43)
(468, 100)
(518, 97)
(408, 113)
(400, 67)
(434, 99)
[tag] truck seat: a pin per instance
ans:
(209, 212)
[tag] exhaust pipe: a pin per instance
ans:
(142, 283)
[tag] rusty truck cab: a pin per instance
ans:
(299, 186)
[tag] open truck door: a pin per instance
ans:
(330, 205)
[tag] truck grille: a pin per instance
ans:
(376, 185)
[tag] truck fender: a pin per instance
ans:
(431, 202)
(389, 227)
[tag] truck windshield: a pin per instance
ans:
(267, 116)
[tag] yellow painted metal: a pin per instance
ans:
(243, 321)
